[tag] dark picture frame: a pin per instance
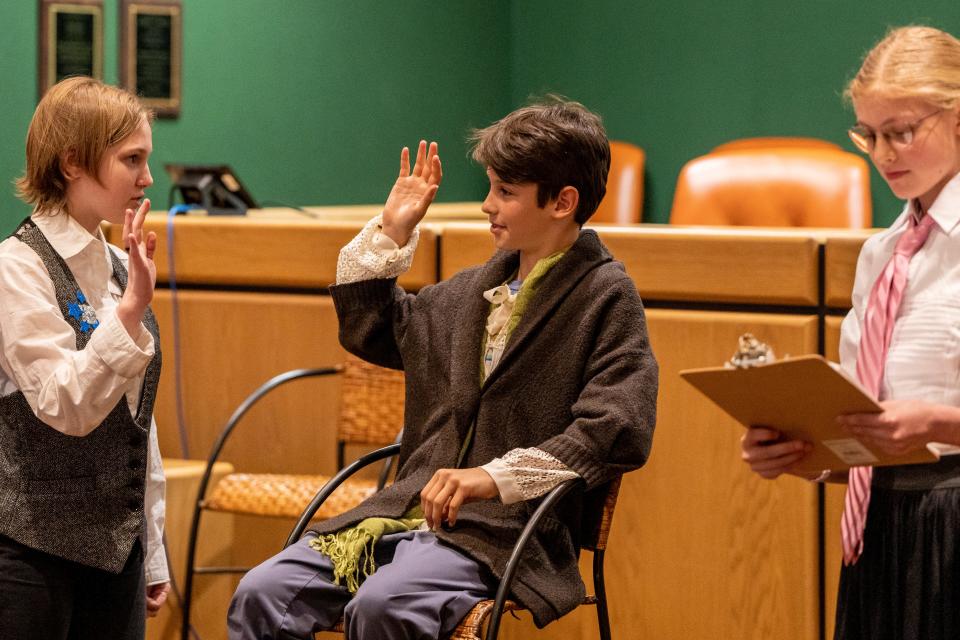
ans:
(151, 53)
(70, 41)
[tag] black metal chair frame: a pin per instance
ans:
(506, 582)
(238, 414)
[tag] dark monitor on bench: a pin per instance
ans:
(214, 188)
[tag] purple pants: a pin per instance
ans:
(421, 589)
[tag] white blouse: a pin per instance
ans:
(73, 391)
(923, 361)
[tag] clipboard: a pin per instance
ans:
(801, 397)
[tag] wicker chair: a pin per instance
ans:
(371, 414)
(490, 612)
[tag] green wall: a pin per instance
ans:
(311, 100)
(678, 78)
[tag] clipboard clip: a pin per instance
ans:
(750, 353)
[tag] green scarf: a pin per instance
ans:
(351, 550)
(527, 289)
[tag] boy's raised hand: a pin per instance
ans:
(141, 270)
(412, 193)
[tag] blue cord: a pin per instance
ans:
(178, 377)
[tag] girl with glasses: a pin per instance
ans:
(901, 340)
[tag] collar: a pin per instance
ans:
(581, 258)
(945, 210)
(66, 235)
(586, 254)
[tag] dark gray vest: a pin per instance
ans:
(76, 498)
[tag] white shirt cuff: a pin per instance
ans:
(506, 483)
(373, 255)
(126, 356)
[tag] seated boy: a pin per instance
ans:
(529, 370)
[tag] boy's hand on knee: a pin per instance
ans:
(412, 193)
(449, 489)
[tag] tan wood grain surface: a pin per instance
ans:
(183, 481)
(684, 264)
(266, 250)
(718, 552)
(230, 344)
(833, 503)
(840, 257)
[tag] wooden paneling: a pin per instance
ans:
(719, 265)
(701, 548)
(707, 265)
(216, 548)
(267, 249)
(231, 343)
(840, 264)
(833, 504)
(705, 548)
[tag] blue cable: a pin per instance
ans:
(178, 377)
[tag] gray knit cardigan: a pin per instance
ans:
(577, 380)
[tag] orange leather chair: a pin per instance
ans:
(776, 141)
(623, 203)
(775, 187)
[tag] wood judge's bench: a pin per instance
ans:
(700, 547)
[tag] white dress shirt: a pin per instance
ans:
(521, 474)
(923, 361)
(73, 391)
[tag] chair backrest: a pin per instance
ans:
(371, 403)
(598, 531)
(777, 142)
(775, 186)
(623, 203)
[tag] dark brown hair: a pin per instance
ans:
(554, 144)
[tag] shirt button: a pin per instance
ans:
(133, 505)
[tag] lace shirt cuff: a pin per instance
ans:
(374, 255)
(524, 474)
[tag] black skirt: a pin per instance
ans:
(907, 582)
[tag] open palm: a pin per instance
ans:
(412, 193)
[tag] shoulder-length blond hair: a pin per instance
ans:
(79, 116)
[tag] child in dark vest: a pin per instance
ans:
(81, 483)
(527, 371)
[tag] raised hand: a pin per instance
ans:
(141, 270)
(412, 193)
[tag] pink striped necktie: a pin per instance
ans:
(878, 321)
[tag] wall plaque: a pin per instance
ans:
(151, 34)
(71, 40)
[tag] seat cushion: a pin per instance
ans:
(284, 495)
